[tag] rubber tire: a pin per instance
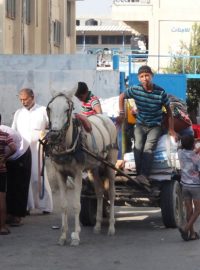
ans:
(88, 211)
(171, 204)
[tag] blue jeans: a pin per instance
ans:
(146, 139)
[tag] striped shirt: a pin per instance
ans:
(5, 140)
(149, 104)
(87, 107)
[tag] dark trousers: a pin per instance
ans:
(19, 173)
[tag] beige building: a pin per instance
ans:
(37, 26)
(100, 33)
(165, 22)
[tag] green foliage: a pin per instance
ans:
(185, 62)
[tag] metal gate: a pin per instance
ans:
(175, 84)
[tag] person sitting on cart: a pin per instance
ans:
(90, 104)
(149, 99)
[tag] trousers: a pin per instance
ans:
(146, 139)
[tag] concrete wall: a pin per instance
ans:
(47, 75)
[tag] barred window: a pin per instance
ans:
(112, 39)
(28, 11)
(56, 33)
(91, 39)
(10, 9)
(69, 18)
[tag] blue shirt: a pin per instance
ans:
(149, 104)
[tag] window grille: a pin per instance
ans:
(10, 9)
(56, 33)
(69, 17)
(28, 11)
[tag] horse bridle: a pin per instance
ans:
(69, 112)
(58, 142)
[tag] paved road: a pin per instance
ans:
(141, 242)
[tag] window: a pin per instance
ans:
(69, 18)
(28, 11)
(88, 40)
(112, 39)
(56, 33)
(127, 40)
(79, 40)
(36, 13)
(91, 39)
(10, 9)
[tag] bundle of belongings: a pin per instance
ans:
(180, 114)
(165, 159)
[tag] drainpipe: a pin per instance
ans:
(50, 27)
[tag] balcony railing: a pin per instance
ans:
(127, 2)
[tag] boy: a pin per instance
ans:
(149, 99)
(190, 168)
(90, 103)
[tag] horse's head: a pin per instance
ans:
(60, 137)
(59, 111)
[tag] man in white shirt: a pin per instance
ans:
(31, 121)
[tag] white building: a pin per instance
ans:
(165, 22)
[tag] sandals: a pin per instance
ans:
(195, 236)
(5, 231)
(184, 234)
(16, 222)
(186, 237)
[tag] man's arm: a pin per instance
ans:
(12, 149)
(121, 102)
(121, 116)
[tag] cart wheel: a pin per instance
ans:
(88, 211)
(106, 208)
(171, 204)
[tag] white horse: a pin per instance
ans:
(65, 142)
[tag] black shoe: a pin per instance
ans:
(28, 213)
(45, 212)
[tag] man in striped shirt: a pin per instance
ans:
(149, 99)
(90, 103)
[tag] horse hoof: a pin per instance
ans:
(97, 230)
(75, 242)
(111, 232)
(61, 242)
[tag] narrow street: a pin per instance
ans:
(141, 242)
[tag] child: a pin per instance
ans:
(90, 103)
(190, 168)
(5, 141)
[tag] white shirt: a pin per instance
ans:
(21, 144)
(31, 123)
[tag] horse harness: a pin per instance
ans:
(56, 149)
